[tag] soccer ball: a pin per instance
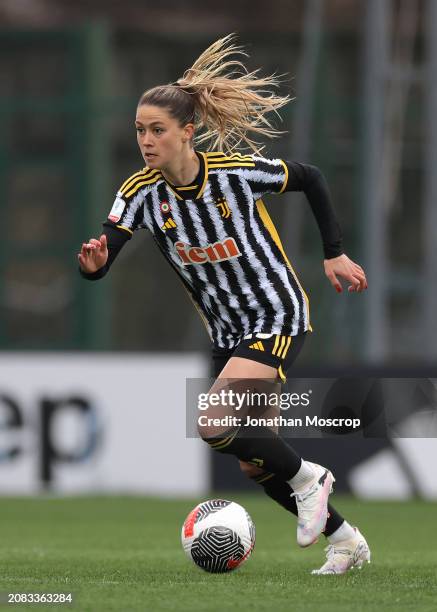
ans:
(218, 535)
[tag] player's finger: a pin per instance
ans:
(335, 282)
(363, 280)
(354, 275)
(103, 241)
(356, 284)
(88, 250)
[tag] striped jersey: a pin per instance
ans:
(218, 237)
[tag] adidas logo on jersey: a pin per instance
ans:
(213, 253)
(169, 224)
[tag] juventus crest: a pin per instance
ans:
(224, 209)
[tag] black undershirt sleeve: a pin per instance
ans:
(116, 239)
(309, 179)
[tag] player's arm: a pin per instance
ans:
(309, 179)
(97, 255)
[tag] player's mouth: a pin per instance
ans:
(150, 156)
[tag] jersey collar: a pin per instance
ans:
(194, 190)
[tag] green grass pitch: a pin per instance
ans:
(124, 553)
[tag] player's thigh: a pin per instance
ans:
(256, 366)
(244, 368)
(239, 382)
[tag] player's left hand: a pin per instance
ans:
(345, 268)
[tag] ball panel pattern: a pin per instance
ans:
(209, 507)
(214, 547)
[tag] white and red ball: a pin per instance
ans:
(218, 535)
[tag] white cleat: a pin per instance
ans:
(345, 555)
(312, 506)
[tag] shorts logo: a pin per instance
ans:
(117, 209)
(212, 253)
(257, 346)
(223, 206)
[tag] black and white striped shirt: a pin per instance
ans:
(218, 237)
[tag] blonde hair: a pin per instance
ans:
(226, 103)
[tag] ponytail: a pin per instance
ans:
(226, 103)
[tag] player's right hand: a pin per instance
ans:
(93, 254)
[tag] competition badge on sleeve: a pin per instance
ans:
(117, 209)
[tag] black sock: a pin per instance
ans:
(280, 491)
(335, 520)
(259, 446)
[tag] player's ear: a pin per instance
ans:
(189, 131)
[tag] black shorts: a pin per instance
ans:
(274, 350)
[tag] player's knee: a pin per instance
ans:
(212, 425)
(249, 470)
(205, 430)
(221, 440)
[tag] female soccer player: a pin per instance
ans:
(205, 213)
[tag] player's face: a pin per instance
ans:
(160, 137)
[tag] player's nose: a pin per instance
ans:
(146, 139)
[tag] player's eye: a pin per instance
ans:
(140, 130)
(158, 130)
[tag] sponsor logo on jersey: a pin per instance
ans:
(117, 209)
(212, 253)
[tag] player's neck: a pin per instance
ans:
(183, 171)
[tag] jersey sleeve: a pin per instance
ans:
(267, 176)
(125, 216)
(310, 180)
(279, 176)
(127, 212)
